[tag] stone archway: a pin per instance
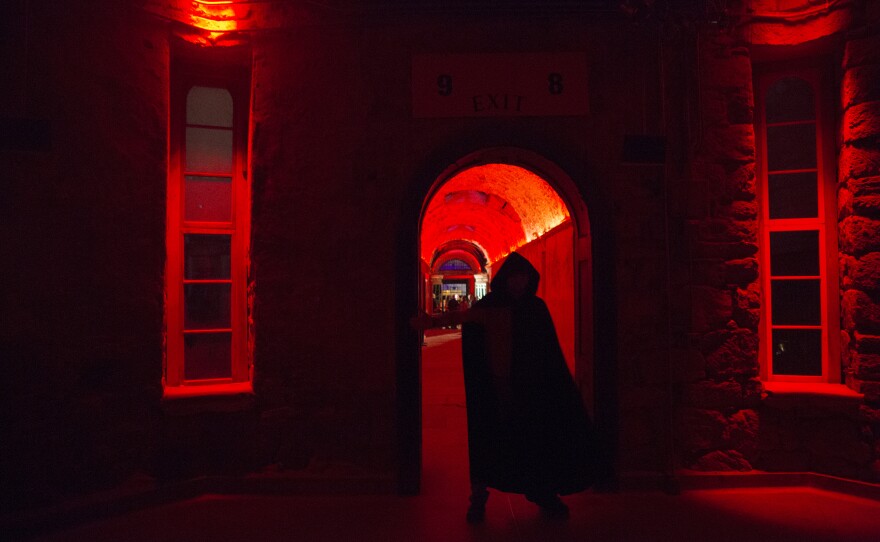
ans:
(565, 193)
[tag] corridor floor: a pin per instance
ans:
(772, 514)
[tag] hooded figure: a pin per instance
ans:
(527, 428)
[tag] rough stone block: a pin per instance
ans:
(709, 273)
(858, 162)
(744, 210)
(870, 389)
(710, 308)
(692, 367)
(867, 344)
(753, 390)
(870, 415)
(721, 69)
(844, 202)
(860, 312)
(865, 273)
(861, 122)
(861, 85)
(866, 366)
(726, 231)
(742, 433)
(723, 460)
(867, 206)
(747, 307)
(741, 272)
(862, 52)
(864, 186)
(711, 394)
(730, 181)
(859, 235)
(740, 108)
(730, 143)
(702, 429)
(736, 356)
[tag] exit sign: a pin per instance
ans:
(503, 84)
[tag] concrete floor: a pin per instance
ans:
(771, 514)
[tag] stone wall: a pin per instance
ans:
(719, 385)
(727, 420)
(552, 256)
(859, 230)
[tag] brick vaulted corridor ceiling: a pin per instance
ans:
(496, 207)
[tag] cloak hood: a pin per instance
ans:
(514, 264)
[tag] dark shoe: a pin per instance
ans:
(476, 513)
(551, 506)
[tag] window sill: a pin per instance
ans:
(811, 389)
(178, 392)
(209, 398)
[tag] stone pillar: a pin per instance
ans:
(859, 227)
(859, 204)
(717, 420)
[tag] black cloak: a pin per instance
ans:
(528, 431)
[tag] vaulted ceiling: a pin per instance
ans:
(494, 207)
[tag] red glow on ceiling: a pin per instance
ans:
(217, 16)
(792, 22)
(206, 22)
(496, 207)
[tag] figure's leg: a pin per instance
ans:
(479, 495)
(550, 503)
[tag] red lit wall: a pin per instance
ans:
(771, 22)
(551, 254)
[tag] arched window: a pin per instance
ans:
(455, 265)
(208, 218)
(800, 323)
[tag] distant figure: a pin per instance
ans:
(453, 306)
(527, 428)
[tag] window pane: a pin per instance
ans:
(208, 199)
(206, 256)
(797, 352)
(208, 150)
(209, 106)
(791, 147)
(207, 355)
(793, 195)
(206, 306)
(794, 253)
(796, 302)
(790, 99)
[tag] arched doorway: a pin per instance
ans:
(481, 208)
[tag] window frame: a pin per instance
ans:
(825, 222)
(184, 75)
